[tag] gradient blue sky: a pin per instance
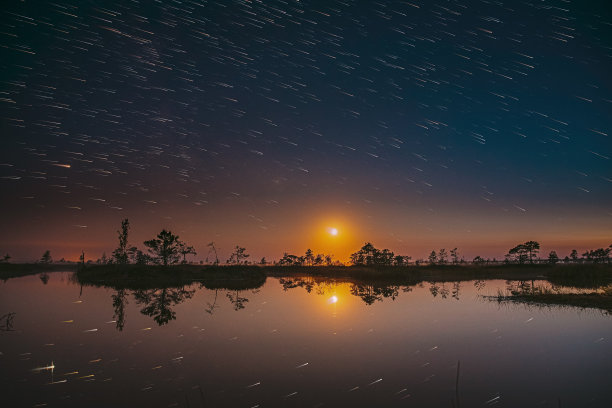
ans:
(415, 125)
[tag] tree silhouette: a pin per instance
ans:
(309, 257)
(454, 255)
(432, 258)
(5, 258)
(523, 252)
(384, 257)
(121, 253)
(369, 255)
(365, 256)
(400, 260)
(599, 255)
(553, 258)
(165, 248)
(46, 257)
(519, 253)
(212, 250)
(289, 259)
(442, 255)
(574, 256)
(186, 250)
(140, 258)
(238, 256)
(533, 247)
(478, 260)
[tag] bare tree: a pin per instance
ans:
(212, 250)
(238, 256)
(121, 253)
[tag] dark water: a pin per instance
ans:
(296, 343)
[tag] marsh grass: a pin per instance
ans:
(137, 277)
(593, 300)
(600, 299)
(10, 270)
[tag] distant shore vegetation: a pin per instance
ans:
(165, 262)
(168, 249)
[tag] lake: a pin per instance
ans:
(297, 342)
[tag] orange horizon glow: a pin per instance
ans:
(335, 231)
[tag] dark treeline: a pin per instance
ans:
(168, 249)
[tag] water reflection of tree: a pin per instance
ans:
(158, 302)
(434, 289)
(520, 287)
(439, 288)
(119, 303)
(307, 283)
(523, 287)
(370, 293)
(455, 291)
(444, 291)
(44, 278)
(236, 300)
(479, 284)
(212, 306)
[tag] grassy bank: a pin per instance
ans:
(584, 275)
(592, 300)
(149, 276)
(154, 276)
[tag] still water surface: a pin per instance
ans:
(296, 343)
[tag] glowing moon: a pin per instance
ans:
(333, 231)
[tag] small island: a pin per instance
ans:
(165, 264)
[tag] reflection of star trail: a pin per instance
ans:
(50, 367)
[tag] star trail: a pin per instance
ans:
(413, 124)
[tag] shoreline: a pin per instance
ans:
(246, 277)
(578, 275)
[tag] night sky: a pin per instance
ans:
(416, 125)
